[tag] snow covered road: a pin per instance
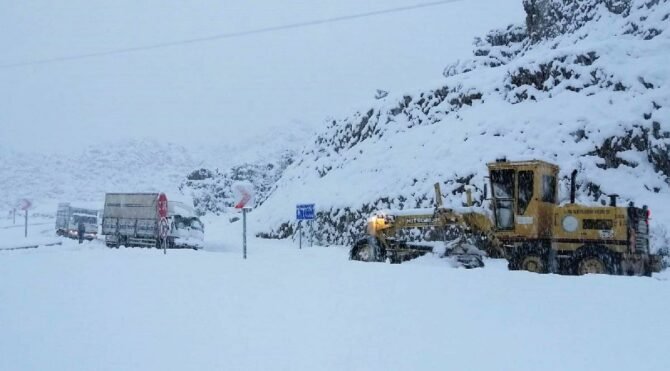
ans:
(86, 307)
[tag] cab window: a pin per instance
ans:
(549, 188)
(502, 184)
(525, 191)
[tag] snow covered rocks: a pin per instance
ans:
(583, 84)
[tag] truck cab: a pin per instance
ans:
(69, 217)
(185, 224)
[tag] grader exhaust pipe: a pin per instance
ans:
(438, 195)
(573, 186)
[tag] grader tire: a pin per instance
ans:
(364, 250)
(591, 265)
(529, 258)
(594, 260)
(394, 259)
(533, 263)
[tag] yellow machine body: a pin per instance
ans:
(525, 224)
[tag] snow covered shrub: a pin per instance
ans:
(547, 19)
(211, 189)
(495, 49)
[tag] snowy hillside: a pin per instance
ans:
(84, 173)
(584, 84)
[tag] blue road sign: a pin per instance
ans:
(305, 212)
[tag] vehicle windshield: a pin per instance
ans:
(185, 223)
(84, 219)
(196, 224)
(502, 182)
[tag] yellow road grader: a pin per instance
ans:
(524, 224)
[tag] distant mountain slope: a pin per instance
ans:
(132, 166)
(585, 84)
(84, 174)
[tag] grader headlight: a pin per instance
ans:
(377, 222)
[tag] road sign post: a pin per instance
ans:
(163, 232)
(304, 212)
(244, 196)
(24, 204)
(244, 233)
(163, 226)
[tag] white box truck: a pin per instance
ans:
(132, 220)
(69, 217)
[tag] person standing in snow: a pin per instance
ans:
(81, 229)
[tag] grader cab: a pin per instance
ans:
(523, 223)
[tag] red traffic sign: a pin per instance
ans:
(163, 228)
(162, 206)
(244, 195)
(24, 204)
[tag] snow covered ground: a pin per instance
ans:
(85, 307)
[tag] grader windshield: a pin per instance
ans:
(502, 183)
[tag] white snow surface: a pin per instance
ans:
(85, 307)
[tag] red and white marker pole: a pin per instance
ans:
(163, 226)
(244, 192)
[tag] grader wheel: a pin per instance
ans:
(366, 250)
(591, 265)
(533, 263)
(529, 258)
(595, 260)
(363, 253)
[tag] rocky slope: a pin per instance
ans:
(212, 190)
(584, 84)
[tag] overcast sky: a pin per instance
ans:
(223, 90)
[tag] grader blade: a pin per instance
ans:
(367, 249)
(463, 253)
